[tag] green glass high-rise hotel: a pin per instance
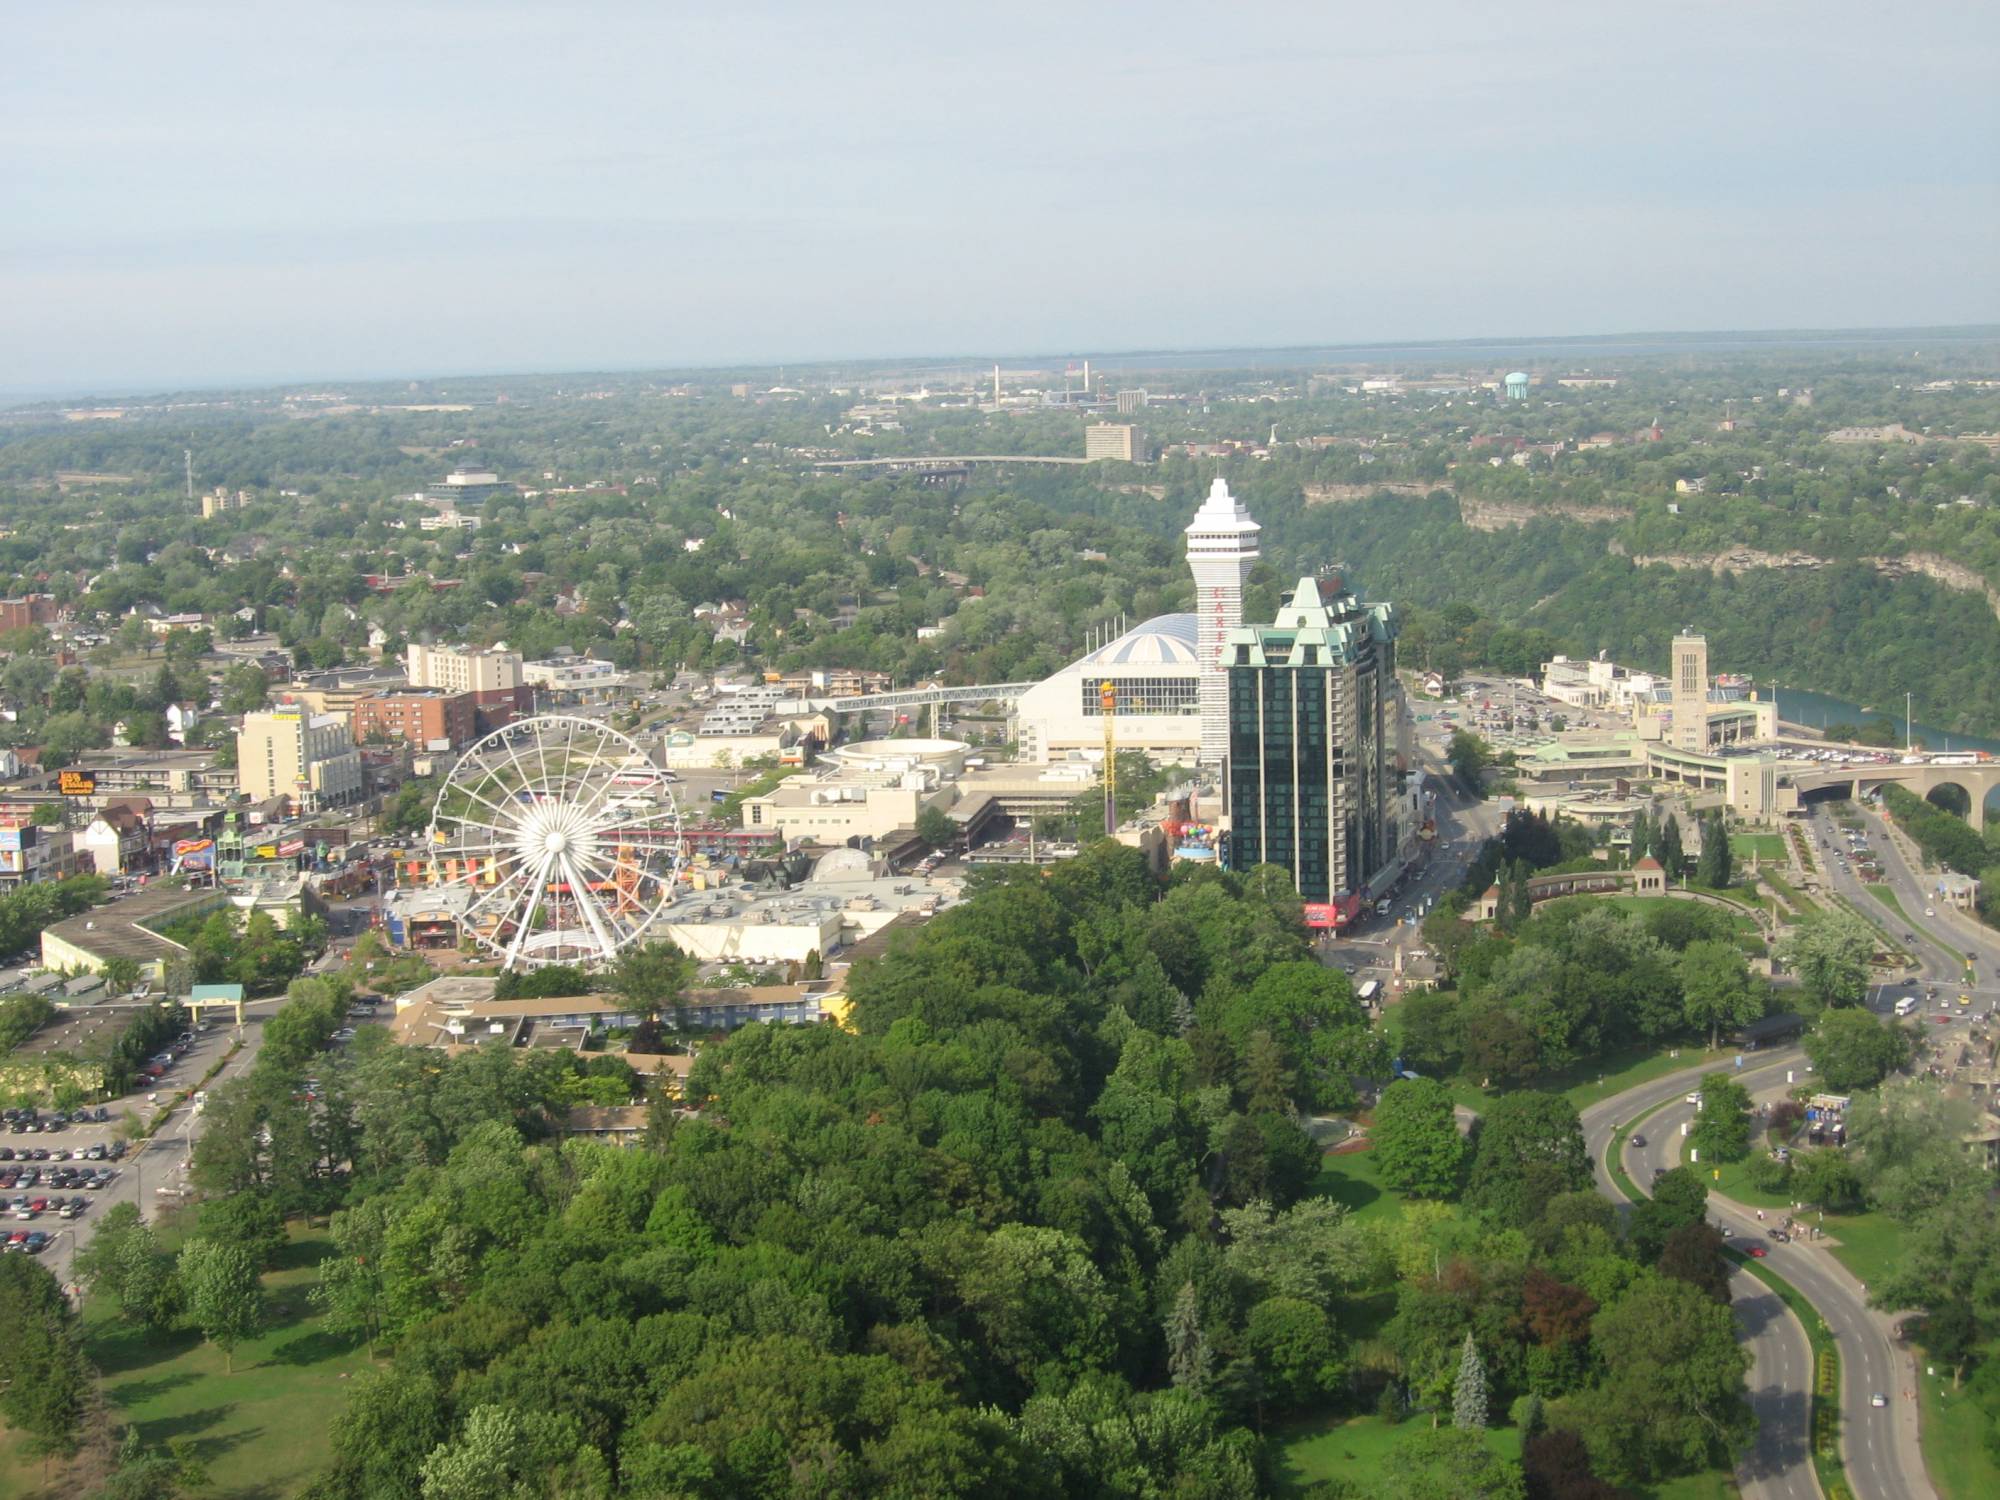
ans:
(1311, 774)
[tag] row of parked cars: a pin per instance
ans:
(59, 1179)
(32, 1241)
(34, 1122)
(114, 1150)
(27, 1207)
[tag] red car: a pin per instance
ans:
(1757, 1252)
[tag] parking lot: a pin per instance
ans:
(152, 1174)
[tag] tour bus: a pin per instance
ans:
(1368, 991)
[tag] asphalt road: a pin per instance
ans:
(1941, 941)
(1879, 1444)
(1778, 1465)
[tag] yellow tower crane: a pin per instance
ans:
(1107, 699)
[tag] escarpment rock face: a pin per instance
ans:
(1940, 570)
(1497, 515)
(1344, 494)
(1733, 560)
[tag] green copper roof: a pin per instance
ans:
(1311, 631)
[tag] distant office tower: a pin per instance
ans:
(1690, 692)
(1221, 549)
(1131, 403)
(1119, 440)
(1313, 721)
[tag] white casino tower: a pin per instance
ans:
(1221, 550)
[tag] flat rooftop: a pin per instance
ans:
(120, 929)
(82, 1031)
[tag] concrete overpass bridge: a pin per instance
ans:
(909, 698)
(1976, 781)
(924, 463)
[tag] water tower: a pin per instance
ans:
(1517, 386)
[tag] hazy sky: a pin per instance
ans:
(208, 192)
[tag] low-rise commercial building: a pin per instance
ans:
(460, 1011)
(30, 854)
(424, 717)
(118, 841)
(575, 678)
(181, 779)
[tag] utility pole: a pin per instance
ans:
(187, 459)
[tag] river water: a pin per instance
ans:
(1817, 710)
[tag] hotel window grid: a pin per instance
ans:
(1143, 695)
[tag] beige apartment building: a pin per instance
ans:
(458, 670)
(293, 752)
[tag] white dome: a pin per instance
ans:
(1164, 640)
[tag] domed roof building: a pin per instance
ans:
(1155, 668)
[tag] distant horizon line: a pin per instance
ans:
(24, 397)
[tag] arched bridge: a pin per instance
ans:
(1976, 781)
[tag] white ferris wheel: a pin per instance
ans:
(564, 837)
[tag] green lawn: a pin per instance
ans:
(1954, 1429)
(1587, 1083)
(1887, 897)
(262, 1430)
(1620, 1071)
(1768, 847)
(1356, 1449)
(1866, 1242)
(1351, 1181)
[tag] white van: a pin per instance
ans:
(1905, 1005)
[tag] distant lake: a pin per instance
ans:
(1817, 710)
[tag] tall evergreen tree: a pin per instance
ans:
(1667, 846)
(1190, 1361)
(1523, 903)
(1642, 835)
(1468, 1392)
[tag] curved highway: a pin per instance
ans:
(1879, 1444)
(1778, 1465)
